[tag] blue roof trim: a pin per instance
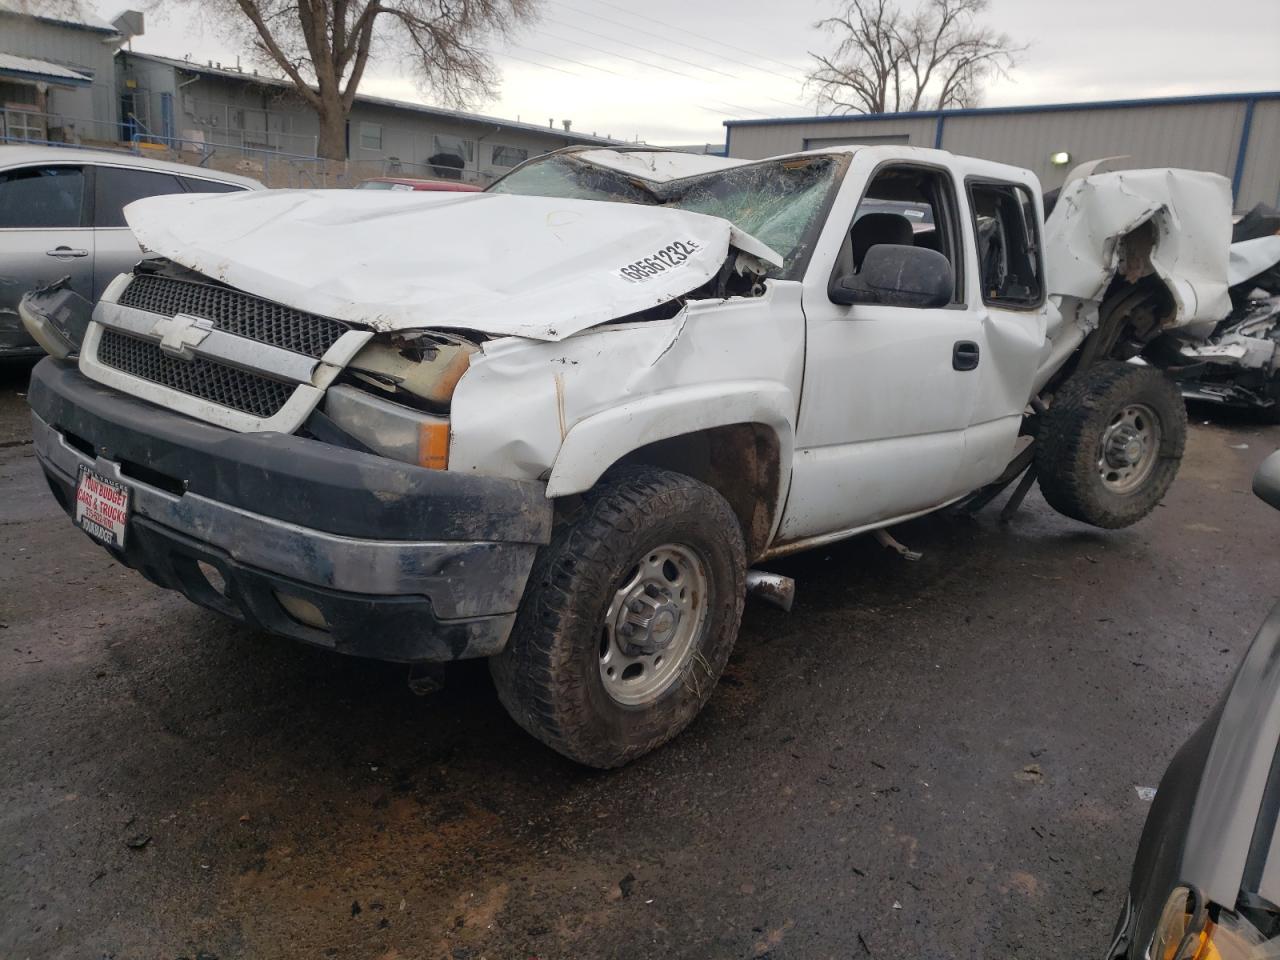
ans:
(45, 78)
(1242, 151)
(1031, 108)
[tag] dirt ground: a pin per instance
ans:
(923, 760)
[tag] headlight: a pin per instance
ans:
(1175, 937)
(391, 429)
(1184, 933)
(56, 317)
(424, 363)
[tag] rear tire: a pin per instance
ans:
(1111, 443)
(628, 619)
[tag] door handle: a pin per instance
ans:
(964, 355)
(65, 253)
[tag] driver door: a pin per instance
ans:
(888, 391)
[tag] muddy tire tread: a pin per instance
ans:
(1069, 434)
(534, 675)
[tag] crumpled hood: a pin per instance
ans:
(526, 266)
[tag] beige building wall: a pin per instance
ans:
(770, 140)
(1197, 137)
(1261, 180)
(1194, 135)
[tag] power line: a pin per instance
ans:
(545, 66)
(741, 109)
(700, 36)
(636, 46)
(621, 56)
(556, 56)
(669, 39)
(789, 104)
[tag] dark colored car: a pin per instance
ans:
(1206, 878)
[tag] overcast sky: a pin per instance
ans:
(671, 71)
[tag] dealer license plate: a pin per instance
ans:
(102, 507)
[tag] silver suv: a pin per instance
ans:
(60, 216)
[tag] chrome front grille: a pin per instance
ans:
(216, 382)
(235, 312)
(214, 353)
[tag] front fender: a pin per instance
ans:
(599, 441)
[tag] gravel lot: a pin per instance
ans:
(923, 760)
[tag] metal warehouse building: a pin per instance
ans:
(1236, 135)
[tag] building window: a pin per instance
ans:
(451, 155)
(509, 156)
(370, 136)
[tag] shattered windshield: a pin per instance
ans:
(563, 175)
(780, 202)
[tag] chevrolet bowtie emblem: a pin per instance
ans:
(179, 335)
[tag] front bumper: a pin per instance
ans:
(404, 564)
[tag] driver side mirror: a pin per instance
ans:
(1266, 482)
(897, 276)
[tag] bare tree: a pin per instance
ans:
(888, 60)
(323, 47)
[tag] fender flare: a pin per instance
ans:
(597, 442)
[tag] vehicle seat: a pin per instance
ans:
(876, 228)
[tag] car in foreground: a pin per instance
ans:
(1206, 878)
(556, 424)
(410, 184)
(61, 219)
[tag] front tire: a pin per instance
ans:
(1111, 443)
(629, 617)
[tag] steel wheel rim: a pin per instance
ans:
(1129, 448)
(651, 628)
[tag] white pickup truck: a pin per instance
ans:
(555, 423)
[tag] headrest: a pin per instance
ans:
(874, 228)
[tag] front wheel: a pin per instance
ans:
(629, 617)
(1111, 443)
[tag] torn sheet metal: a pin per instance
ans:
(1250, 258)
(1190, 213)
(525, 266)
(658, 166)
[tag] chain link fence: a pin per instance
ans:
(227, 151)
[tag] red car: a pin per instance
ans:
(408, 183)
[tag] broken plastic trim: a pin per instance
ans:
(419, 367)
(56, 317)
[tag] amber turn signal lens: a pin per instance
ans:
(433, 446)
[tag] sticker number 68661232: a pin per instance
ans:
(669, 257)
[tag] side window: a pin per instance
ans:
(1008, 241)
(370, 136)
(41, 197)
(906, 206)
(451, 155)
(208, 186)
(509, 156)
(119, 186)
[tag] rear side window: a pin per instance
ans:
(208, 186)
(118, 187)
(1008, 243)
(36, 197)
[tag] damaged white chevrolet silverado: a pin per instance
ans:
(554, 424)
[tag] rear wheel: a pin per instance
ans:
(1110, 445)
(629, 617)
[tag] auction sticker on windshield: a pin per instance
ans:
(102, 507)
